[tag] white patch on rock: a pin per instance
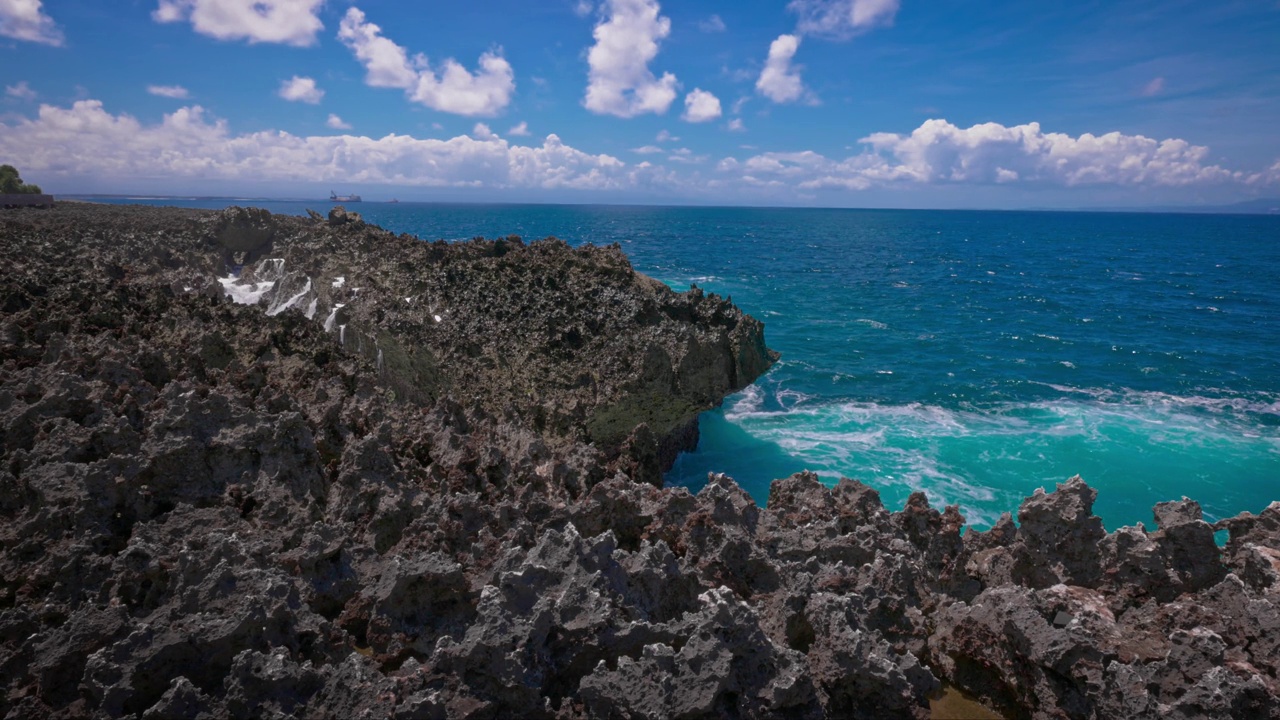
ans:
(247, 294)
(266, 275)
(278, 307)
(333, 316)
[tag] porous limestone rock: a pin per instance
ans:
(444, 503)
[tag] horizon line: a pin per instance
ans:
(1239, 208)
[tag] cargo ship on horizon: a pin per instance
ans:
(335, 197)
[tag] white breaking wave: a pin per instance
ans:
(751, 399)
(841, 426)
(1215, 404)
(750, 402)
(987, 458)
(1268, 404)
(791, 398)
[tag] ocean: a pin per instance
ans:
(972, 355)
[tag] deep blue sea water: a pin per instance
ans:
(975, 355)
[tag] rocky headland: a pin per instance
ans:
(265, 466)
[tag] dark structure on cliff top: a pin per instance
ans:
(423, 480)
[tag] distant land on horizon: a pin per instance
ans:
(1260, 206)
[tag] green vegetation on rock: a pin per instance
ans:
(662, 412)
(11, 183)
(412, 371)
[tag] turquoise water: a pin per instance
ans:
(973, 355)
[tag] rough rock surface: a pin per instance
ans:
(296, 509)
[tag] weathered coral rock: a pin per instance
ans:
(339, 216)
(245, 229)
(421, 480)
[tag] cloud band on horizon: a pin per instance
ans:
(84, 140)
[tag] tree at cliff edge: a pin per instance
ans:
(11, 183)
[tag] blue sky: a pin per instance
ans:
(858, 103)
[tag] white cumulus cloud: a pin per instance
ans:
(25, 20)
(840, 19)
(21, 90)
(288, 22)
(701, 106)
(735, 125)
(337, 123)
(386, 64)
(451, 89)
(619, 81)
(780, 80)
(521, 130)
(176, 92)
(1272, 175)
(939, 152)
(455, 90)
(85, 141)
(301, 89)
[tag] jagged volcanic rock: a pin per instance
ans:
(328, 503)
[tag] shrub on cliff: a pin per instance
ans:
(11, 183)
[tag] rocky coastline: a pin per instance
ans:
(265, 466)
